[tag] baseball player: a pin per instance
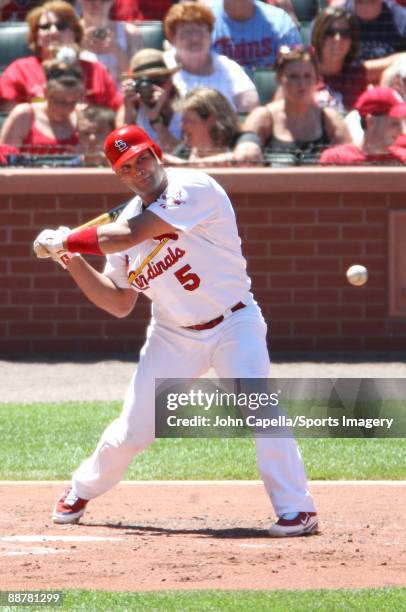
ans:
(177, 242)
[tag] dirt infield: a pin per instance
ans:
(200, 536)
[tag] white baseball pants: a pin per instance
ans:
(236, 348)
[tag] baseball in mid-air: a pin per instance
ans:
(357, 275)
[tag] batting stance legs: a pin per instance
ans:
(235, 348)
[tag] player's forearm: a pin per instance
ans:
(100, 290)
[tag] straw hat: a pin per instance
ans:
(149, 63)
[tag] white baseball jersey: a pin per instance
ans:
(198, 276)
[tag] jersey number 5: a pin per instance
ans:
(189, 280)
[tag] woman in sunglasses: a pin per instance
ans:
(343, 77)
(293, 129)
(149, 95)
(55, 23)
(49, 127)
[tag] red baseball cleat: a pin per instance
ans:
(294, 524)
(69, 508)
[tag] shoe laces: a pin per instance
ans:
(71, 498)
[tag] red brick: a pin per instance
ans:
(79, 328)
(292, 248)
(365, 200)
(292, 217)
(16, 282)
(363, 295)
(23, 234)
(376, 216)
(363, 328)
(305, 328)
(88, 203)
(340, 216)
(253, 217)
(279, 328)
(330, 344)
(340, 312)
(16, 346)
(269, 232)
(376, 248)
(31, 202)
(315, 296)
(15, 313)
(273, 296)
(255, 248)
(295, 345)
(55, 218)
(59, 313)
(293, 312)
(280, 264)
(13, 219)
(364, 232)
(317, 200)
(36, 297)
(317, 264)
(31, 329)
(353, 248)
(291, 280)
(397, 200)
(385, 344)
(316, 232)
(53, 281)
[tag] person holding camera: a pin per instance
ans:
(149, 95)
(112, 42)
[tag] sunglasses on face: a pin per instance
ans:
(343, 32)
(60, 26)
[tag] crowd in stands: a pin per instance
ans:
(337, 81)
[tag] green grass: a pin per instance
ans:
(346, 600)
(47, 441)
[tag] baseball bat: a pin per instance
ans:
(107, 217)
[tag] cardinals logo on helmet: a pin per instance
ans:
(121, 145)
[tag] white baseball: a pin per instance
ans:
(357, 275)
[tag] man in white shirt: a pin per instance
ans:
(177, 242)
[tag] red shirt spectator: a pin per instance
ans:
(24, 79)
(132, 10)
(382, 112)
(16, 10)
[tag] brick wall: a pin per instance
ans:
(301, 230)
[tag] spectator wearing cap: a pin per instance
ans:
(188, 27)
(382, 113)
(251, 32)
(149, 94)
(52, 25)
(293, 127)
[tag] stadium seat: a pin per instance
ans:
(266, 83)
(13, 42)
(305, 10)
(152, 33)
(306, 31)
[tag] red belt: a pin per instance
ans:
(214, 322)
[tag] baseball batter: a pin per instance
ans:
(177, 242)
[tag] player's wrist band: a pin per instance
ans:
(84, 241)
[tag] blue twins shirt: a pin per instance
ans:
(254, 42)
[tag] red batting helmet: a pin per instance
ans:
(127, 141)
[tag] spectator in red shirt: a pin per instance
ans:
(382, 112)
(16, 10)
(53, 24)
(49, 127)
(133, 10)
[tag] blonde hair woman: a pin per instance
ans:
(210, 129)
